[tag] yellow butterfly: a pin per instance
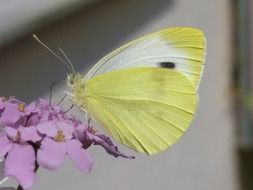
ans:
(144, 93)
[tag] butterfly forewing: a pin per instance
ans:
(184, 47)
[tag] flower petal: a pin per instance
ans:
(57, 109)
(43, 103)
(29, 134)
(108, 145)
(31, 108)
(80, 132)
(2, 103)
(5, 145)
(66, 128)
(10, 115)
(51, 154)
(34, 119)
(13, 100)
(47, 128)
(44, 116)
(80, 157)
(11, 132)
(20, 164)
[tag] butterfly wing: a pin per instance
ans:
(181, 47)
(146, 109)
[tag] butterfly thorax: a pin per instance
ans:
(77, 83)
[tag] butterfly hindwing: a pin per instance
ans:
(146, 109)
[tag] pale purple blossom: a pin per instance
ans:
(40, 134)
(58, 142)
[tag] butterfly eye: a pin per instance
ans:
(71, 79)
(169, 65)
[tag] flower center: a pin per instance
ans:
(21, 107)
(16, 138)
(60, 136)
(92, 130)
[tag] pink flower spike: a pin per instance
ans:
(41, 134)
(80, 157)
(51, 154)
(20, 164)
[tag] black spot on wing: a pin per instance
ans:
(168, 65)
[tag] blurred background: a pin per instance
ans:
(216, 153)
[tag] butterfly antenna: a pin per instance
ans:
(51, 51)
(68, 60)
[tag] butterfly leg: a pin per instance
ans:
(69, 108)
(90, 127)
(87, 117)
(51, 91)
(89, 121)
(65, 95)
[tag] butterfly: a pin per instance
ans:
(145, 92)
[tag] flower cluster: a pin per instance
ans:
(41, 135)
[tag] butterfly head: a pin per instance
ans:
(74, 79)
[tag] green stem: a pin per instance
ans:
(19, 188)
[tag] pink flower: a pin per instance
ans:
(40, 134)
(88, 136)
(20, 160)
(58, 142)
